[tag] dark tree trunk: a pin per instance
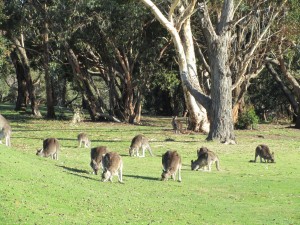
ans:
(289, 95)
(81, 77)
(297, 125)
(48, 82)
(30, 87)
(21, 103)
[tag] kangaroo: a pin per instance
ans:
(263, 152)
(203, 150)
(83, 138)
(177, 125)
(112, 165)
(96, 157)
(50, 148)
(139, 141)
(5, 130)
(171, 163)
(205, 159)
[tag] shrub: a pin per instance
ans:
(248, 119)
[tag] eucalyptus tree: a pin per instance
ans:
(234, 40)
(284, 62)
(121, 60)
(251, 28)
(219, 105)
(105, 44)
(15, 28)
(177, 22)
(37, 33)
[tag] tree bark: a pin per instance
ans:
(221, 126)
(48, 82)
(94, 107)
(222, 121)
(186, 57)
(26, 68)
(289, 95)
(21, 103)
(198, 119)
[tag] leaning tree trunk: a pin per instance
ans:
(30, 87)
(186, 56)
(21, 103)
(81, 77)
(221, 127)
(198, 120)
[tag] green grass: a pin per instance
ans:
(36, 190)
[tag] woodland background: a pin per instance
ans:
(115, 59)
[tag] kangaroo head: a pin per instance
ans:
(194, 165)
(131, 151)
(272, 157)
(165, 175)
(39, 151)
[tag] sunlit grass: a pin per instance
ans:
(37, 190)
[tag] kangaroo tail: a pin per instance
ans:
(218, 165)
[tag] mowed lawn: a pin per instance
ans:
(36, 190)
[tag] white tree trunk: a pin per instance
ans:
(198, 114)
(186, 58)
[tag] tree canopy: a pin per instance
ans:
(119, 59)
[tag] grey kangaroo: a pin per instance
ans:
(5, 130)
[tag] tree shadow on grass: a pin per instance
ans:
(142, 177)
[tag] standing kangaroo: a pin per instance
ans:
(83, 138)
(50, 148)
(5, 130)
(139, 141)
(171, 163)
(177, 125)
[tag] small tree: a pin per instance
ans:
(247, 119)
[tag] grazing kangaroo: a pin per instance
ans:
(50, 148)
(263, 152)
(5, 130)
(205, 159)
(139, 141)
(112, 165)
(96, 157)
(83, 138)
(171, 163)
(177, 125)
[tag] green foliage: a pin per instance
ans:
(38, 190)
(266, 95)
(248, 119)
(167, 80)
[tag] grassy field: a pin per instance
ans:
(36, 190)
